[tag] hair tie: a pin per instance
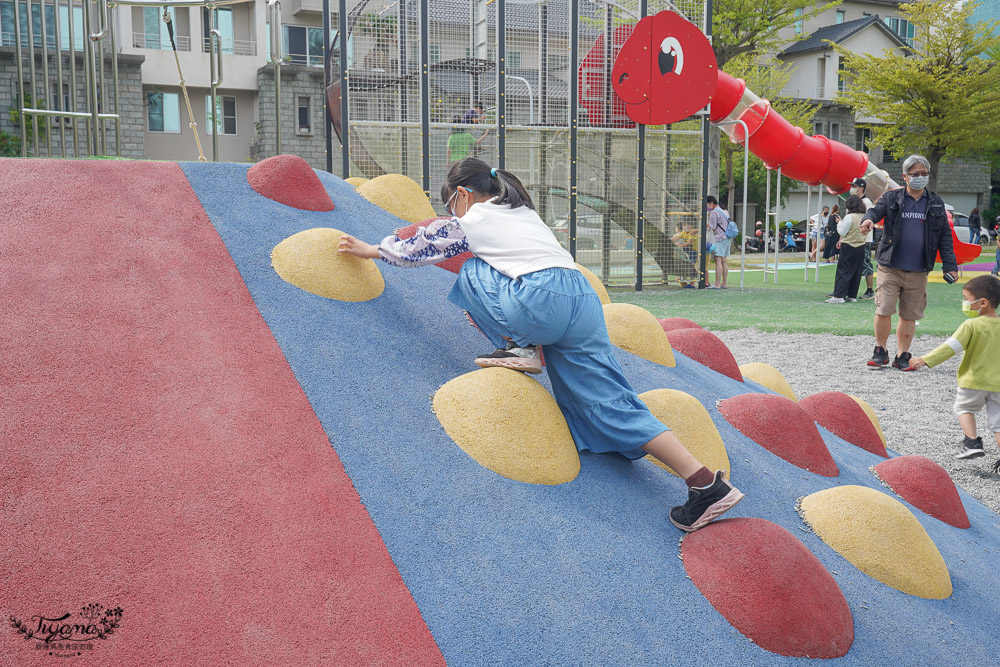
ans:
(493, 172)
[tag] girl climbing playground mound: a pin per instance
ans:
(522, 290)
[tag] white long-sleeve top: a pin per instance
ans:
(514, 241)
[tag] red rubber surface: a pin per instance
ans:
(453, 264)
(705, 348)
(673, 323)
(781, 427)
(841, 415)
(925, 485)
(157, 452)
(290, 180)
(770, 587)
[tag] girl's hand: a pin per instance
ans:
(353, 246)
(917, 362)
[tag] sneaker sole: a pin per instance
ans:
(975, 454)
(876, 365)
(532, 366)
(714, 511)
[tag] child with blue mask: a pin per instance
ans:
(979, 372)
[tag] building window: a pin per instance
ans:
(841, 77)
(304, 45)
(863, 139)
(154, 33)
(305, 115)
(820, 78)
(225, 27)
(77, 27)
(7, 25)
(840, 16)
(817, 127)
(435, 53)
(163, 112)
(514, 59)
(901, 27)
(798, 21)
(225, 114)
(834, 131)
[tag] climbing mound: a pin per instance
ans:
(399, 195)
(635, 330)
(689, 420)
(925, 485)
(452, 264)
(781, 427)
(880, 537)
(289, 180)
(705, 348)
(355, 181)
(843, 415)
(673, 323)
(596, 283)
(768, 376)
(770, 587)
(310, 260)
(510, 424)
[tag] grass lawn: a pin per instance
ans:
(792, 305)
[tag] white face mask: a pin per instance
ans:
(919, 182)
(856, 192)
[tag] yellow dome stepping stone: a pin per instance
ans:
(770, 377)
(596, 283)
(355, 180)
(509, 424)
(636, 330)
(310, 260)
(880, 537)
(399, 195)
(689, 420)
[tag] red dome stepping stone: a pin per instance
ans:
(289, 180)
(841, 415)
(705, 348)
(782, 427)
(925, 485)
(674, 323)
(770, 587)
(453, 264)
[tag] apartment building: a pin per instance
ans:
(863, 27)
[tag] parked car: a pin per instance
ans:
(961, 223)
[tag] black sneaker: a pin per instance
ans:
(705, 504)
(525, 359)
(880, 358)
(972, 448)
(869, 294)
(902, 362)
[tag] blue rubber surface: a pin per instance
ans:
(583, 573)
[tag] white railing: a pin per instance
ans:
(235, 47)
(143, 40)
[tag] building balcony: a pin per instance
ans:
(154, 41)
(235, 47)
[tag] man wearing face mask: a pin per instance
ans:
(867, 270)
(915, 229)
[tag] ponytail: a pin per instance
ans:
(476, 175)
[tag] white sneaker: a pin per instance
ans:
(834, 299)
(526, 359)
(851, 299)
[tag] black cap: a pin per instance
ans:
(860, 182)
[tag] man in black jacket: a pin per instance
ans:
(916, 228)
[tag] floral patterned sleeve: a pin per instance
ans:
(440, 240)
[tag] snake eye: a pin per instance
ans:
(623, 78)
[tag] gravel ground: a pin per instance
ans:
(914, 409)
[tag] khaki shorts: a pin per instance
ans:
(973, 400)
(909, 288)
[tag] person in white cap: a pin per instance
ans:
(867, 269)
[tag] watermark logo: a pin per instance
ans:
(67, 634)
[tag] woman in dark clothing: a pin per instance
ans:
(975, 226)
(832, 249)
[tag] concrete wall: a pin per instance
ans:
(296, 81)
(182, 145)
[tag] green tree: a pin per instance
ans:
(754, 26)
(940, 98)
(767, 81)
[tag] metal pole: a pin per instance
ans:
(114, 76)
(501, 37)
(92, 125)
(640, 190)
(214, 51)
(543, 60)
(20, 79)
(425, 97)
(574, 84)
(102, 101)
(819, 221)
(345, 106)
(59, 74)
(805, 257)
(777, 225)
(32, 88)
(767, 222)
(327, 123)
(72, 74)
(705, 128)
(45, 78)
(276, 47)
